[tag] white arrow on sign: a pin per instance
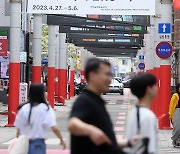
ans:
(164, 28)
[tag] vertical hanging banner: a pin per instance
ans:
(100, 7)
(3, 47)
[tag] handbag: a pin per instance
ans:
(20, 145)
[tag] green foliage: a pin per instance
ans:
(44, 40)
(73, 51)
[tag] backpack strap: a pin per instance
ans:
(138, 119)
(143, 149)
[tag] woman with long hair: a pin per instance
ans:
(174, 114)
(34, 117)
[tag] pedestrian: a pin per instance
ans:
(34, 117)
(142, 120)
(174, 113)
(90, 125)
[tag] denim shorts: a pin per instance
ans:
(37, 146)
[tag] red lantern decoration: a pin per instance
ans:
(177, 4)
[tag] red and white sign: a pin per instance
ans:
(3, 47)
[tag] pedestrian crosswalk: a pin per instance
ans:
(119, 137)
(170, 150)
(51, 141)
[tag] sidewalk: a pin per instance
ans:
(3, 119)
(165, 142)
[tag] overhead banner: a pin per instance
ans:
(101, 7)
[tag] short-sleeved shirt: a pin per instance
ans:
(90, 108)
(148, 127)
(41, 119)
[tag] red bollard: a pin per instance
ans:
(164, 122)
(72, 84)
(51, 85)
(164, 93)
(62, 92)
(13, 99)
(61, 100)
(36, 74)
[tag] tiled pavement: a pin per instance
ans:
(165, 143)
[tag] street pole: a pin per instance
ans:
(82, 65)
(140, 52)
(37, 48)
(147, 50)
(62, 68)
(152, 58)
(156, 20)
(57, 63)
(27, 58)
(72, 78)
(149, 55)
(91, 55)
(86, 55)
(165, 72)
(51, 63)
(27, 40)
(152, 54)
(14, 73)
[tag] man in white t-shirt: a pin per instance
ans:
(142, 120)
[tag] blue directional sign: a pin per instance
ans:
(141, 57)
(141, 66)
(115, 68)
(164, 50)
(164, 28)
(44, 61)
